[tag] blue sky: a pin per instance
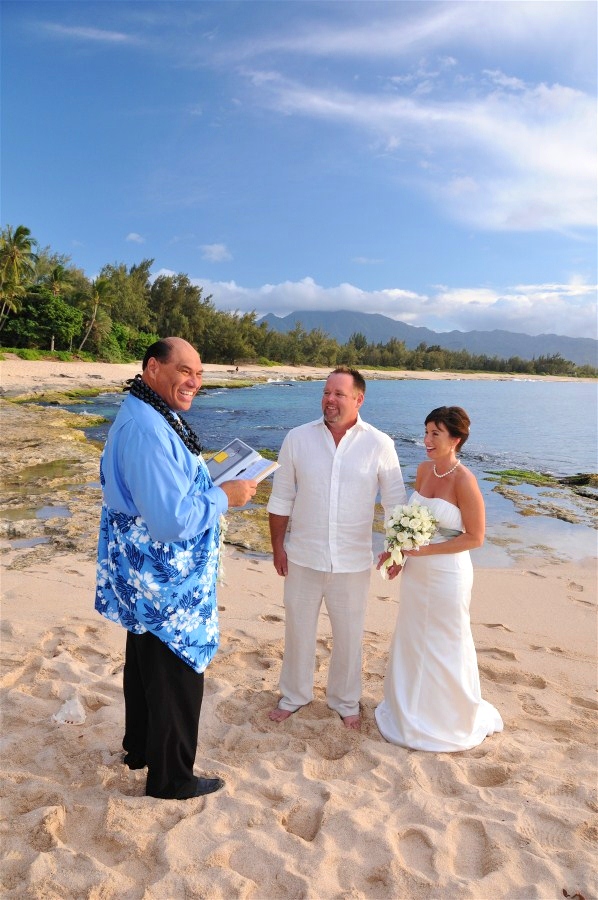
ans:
(433, 162)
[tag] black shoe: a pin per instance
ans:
(207, 786)
(203, 786)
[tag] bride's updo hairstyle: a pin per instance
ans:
(455, 420)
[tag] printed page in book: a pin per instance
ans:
(239, 460)
(260, 469)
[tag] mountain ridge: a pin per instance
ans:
(377, 328)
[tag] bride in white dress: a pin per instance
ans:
(432, 699)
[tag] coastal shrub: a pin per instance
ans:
(140, 342)
(132, 344)
(28, 353)
(110, 350)
(122, 335)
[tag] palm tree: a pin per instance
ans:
(58, 280)
(17, 267)
(100, 292)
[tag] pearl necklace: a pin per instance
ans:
(458, 463)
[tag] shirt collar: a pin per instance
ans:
(360, 425)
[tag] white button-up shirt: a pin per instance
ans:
(329, 493)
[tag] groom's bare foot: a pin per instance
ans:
(279, 715)
(352, 722)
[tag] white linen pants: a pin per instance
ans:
(345, 595)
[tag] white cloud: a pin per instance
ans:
(566, 309)
(397, 30)
(513, 158)
(135, 238)
(96, 35)
(367, 261)
(505, 81)
(215, 252)
(491, 149)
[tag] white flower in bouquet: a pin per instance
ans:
(407, 528)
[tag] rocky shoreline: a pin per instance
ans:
(50, 494)
(48, 466)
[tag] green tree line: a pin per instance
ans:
(46, 303)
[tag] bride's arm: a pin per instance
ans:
(471, 505)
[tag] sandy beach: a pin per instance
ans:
(310, 809)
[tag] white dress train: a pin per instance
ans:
(432, 699)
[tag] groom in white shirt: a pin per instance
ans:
(321, 511)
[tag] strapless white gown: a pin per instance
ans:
(432, 699)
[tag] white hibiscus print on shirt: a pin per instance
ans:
(183, 561)
(144, 583)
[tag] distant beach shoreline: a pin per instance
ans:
(19, 377)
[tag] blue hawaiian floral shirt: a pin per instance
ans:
(159, 535)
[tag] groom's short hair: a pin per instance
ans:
(358, 379)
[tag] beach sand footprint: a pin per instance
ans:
(515, 677)
(487, 775)
(497, 625)
(583, 703)
(578, 589)
(498, 653)
(416, 851)
(304, 820)
(248, 659)
(530, 706)
(582, 601)
(473, 858)
(546, 831)
(439, 777)
(237, 709)
(46, 824)
(356, 766)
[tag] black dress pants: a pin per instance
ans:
(162, 705)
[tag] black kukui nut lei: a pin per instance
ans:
(142, 391)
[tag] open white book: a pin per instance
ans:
(239, 460)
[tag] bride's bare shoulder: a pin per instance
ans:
(423, 471)
(466, 480)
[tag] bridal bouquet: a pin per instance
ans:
(407, 528)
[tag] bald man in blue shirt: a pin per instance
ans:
(158, 553)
